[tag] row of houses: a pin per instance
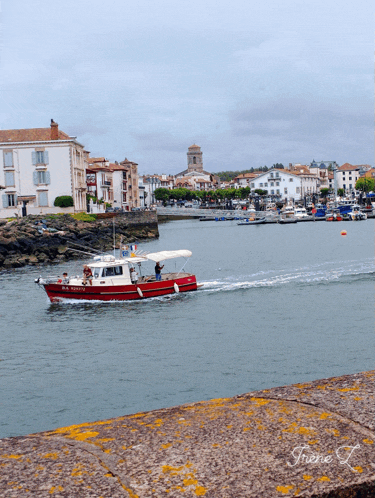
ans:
(292, 183)
(40, 164)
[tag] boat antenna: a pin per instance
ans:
(114, 238)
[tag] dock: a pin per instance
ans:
(314, 439)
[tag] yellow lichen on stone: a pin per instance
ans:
(324, 478)
(358, 469)
(260, 401)
(325, 415)
(16, 457)
(307, 477)
(200, 491)
(166, 445)
(284, 489)
(368, 441)
(189, 481)
(346, 389)
(53, 456)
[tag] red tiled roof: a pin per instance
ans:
(347, 167)
(30, 135)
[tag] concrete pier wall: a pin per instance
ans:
(314, 439)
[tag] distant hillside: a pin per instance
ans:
(227, 176)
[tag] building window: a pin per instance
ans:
(8, 159)
(271, 175)
(277, 184)
(9, 179)
(9, 200)
(350, 185)
(277, 174)
(40, 157)
(43, 199)
(261, 185)
(272, 184)
(344, 186)
(272, 192)
(253, 185)
(290, 179)
(297, 190)
(41, 177)
(285, 190)
(266, 184)
(194, 160)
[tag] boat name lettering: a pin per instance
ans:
(79, 289)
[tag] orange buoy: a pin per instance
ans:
(343, 233)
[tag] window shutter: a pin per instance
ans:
(15, 200)
(43, 199)
(5, 200)
(35, 178)
(48, 177)
(46, 157)
(34, 157)
(8, 158)
(9, 179)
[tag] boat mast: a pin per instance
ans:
(114, 238)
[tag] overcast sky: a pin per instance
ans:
(252, 83)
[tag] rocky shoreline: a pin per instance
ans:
(36, 240)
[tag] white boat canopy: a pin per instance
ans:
(162, 255)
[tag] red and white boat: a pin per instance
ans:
(111, 279)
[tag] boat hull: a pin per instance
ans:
(57, 292)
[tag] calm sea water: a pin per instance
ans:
(280, 304)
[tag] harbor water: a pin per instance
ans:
(280, 304)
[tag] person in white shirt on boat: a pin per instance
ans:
(133, 276)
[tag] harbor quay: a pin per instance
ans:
(314, 439)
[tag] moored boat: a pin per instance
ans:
(252, 221)
(112, 279)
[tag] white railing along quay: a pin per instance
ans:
(200, 213)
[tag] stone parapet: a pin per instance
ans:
(314, 439)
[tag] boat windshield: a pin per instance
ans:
(97, 272)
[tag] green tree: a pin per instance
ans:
(324, 192)
(278, 166)
(162, 194)
(365, 184)
(259, 191)
(340, 192)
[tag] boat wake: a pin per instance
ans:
(325, 273)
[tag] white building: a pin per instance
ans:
(38, 165)
(347, 176)
(285, 184)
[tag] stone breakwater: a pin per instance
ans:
(26, 242)
(314, 439)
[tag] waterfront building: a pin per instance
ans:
(195, 170)
(320, 169)
(347, 176)
(38, 165)
(244, 179)
(113, 183)
(284, 184)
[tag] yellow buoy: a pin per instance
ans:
(343, 233)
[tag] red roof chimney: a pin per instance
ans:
(54, 130)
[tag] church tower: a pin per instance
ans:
(195, 159)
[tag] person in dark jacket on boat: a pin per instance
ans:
(158, 269)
